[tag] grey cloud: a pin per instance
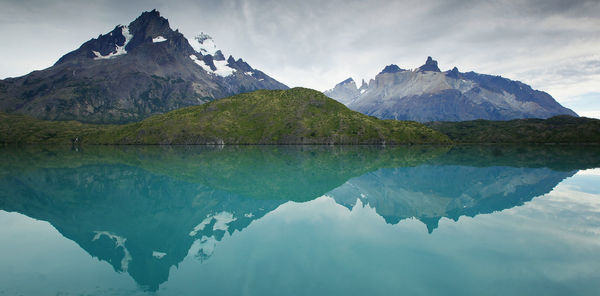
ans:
(575, 8)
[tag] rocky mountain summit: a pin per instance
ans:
(428, 94)
(132, 72)
(346, 91)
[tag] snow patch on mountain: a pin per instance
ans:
(119, 243)
(159, 39)
(200, 63)
(222, 69)
(221, 220)
(120, 49)
(158, 255)
(204, 44)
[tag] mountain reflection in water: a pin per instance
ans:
(142, 208)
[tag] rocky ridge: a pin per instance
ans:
(428, 94)
(130, 73)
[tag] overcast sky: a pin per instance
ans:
(553, 45)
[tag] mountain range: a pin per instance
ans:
(130, 73)
(427, 94)
(146, 68)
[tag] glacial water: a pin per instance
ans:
(300, 220)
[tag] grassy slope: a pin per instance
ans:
(24, 129)
(296, 116)
(558, 129)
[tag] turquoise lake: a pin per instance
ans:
(300, 220)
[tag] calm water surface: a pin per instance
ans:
(306, 220)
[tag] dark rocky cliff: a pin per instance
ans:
(126, 75)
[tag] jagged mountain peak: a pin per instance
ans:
(391, 69)
(150, 25)
(426, 94)
(454, 73)
(363, 85)
(150, 20)
(204, 44)
(212, 59)
(148, 28)
(430, 65)
(345, 91)
(153, 14)
(348, 80)
(202, 37)
(131, 72)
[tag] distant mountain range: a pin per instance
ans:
(129, 73)
(146, 68)
(427, 94)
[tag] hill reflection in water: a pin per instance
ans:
(142, 208)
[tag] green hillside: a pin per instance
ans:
(295, 116)
(558, 129)
(24, 129)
